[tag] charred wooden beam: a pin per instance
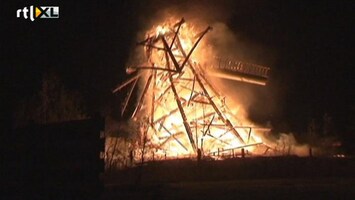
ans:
(217, 139)
(151, 68)
(177, 140)
(128, 97)
(192, 91)
(119, 87)
(141, 99)
(193, 48)
(153, 97)
(208, 126)
(183, 115)
(167, 48)
(177, 31)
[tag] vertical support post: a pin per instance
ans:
(199, 155)
(153, 97)
(249, 135)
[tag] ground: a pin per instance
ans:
(254, 178)
(329, 188)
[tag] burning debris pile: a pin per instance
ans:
(179, 112)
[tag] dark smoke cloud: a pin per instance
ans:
(210, 11)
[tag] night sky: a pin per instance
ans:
(309, 47)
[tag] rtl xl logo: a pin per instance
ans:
(34, 12)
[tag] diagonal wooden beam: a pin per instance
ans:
(141, 99)
(119, 87)
(128, 97)
(173, 136)
(183, 115)
(177, 31)
(171, 55)
(193, 48)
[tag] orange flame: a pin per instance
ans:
(210, 123)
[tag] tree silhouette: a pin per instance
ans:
(53, 103)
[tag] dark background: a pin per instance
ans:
(311, 42)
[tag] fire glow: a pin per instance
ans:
(180, 112)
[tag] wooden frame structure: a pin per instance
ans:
(178, 105)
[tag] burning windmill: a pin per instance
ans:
(179, 111)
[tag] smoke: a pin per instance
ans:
(286, 144)
(202, 11)
(261, 102)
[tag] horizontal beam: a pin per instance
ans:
(238, 77)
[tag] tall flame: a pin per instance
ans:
(180, 112)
